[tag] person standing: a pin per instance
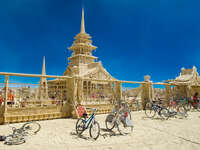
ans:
(195, 100)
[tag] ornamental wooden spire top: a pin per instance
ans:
(43, 67)
(82, 22)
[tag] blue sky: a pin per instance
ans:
(134, 37)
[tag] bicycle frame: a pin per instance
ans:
(156, 108)
(195, 104)
(88, 121)
(118, 115)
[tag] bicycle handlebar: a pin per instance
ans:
(94, 109)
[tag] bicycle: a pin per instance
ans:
(180, 111)
(120, 118)
(151, 108)
(136, 105)
(175, 103)
(17, 137)
(195, 104)
(83, 123)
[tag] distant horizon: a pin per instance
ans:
(134, 38)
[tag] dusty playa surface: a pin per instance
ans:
(147, 134)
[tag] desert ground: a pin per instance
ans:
(148, 134)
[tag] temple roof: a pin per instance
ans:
(187, 77)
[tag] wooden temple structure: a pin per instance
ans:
(186, 84)
(85, 82)
(84, 65)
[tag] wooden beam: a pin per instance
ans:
(33, 75)
(5, 97)
(86, 79)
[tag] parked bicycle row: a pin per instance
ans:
(120, 118)
(175, 108)
(188, 102)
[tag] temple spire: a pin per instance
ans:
(82, 22)
(43, 89)
(43, 67)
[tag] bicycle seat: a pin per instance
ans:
(94, 109)
(85, 115)
(13, 128)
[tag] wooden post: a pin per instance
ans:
(167, 96)
(143, 96)
(80, 90)
(118, 91)
(5, 98)
(189, 91)
(147, 91)
(86, 93)
(113, 88)
(73, 96)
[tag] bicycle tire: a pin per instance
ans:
(149, 111)
(164, 113)
(31, 128)
(80, 126)
(129, 115)
(123, 129)
(109, 121)
(198, 107)
(181, 111)
(10, 140)
(172, 107)
(94, 126)
(188, 106)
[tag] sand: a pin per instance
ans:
(147, 134)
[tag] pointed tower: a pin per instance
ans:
(82, 51)
(43, 90)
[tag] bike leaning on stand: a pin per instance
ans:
(120, 118)
(83, 123)
(151, 108)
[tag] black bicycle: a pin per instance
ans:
(151, 108)
(17, 137)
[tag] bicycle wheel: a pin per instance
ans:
(10, 140)
(31, 128)
(80, 126)
(149, 111)
(171, 107)
(188, 106)
(137, 106)
(129, 116)
(123, 128)
(109, 122)
(94, 130)
(164, 113)
(182, 111)
(198, 107)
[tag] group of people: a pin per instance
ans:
(195, 99)
(10, 97)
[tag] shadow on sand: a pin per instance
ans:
(103, 132)
(155, 118)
